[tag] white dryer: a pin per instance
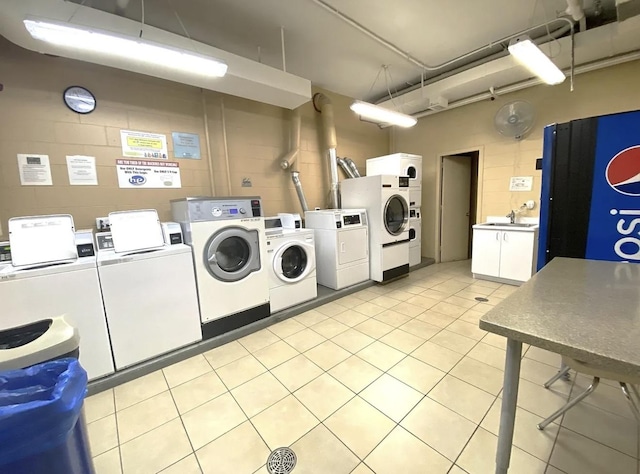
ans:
(68, 288)
(342, 246)
(415, 237)
(227, 237)
(292, 265)
(400, 164)
(385, 198)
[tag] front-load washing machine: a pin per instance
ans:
(292, 265)
(227, 237)
(68, 288)
(401, 164)
(342, 246)
(385, 198)
(415, 237)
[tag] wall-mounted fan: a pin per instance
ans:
(515, 119)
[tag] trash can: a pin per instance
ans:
(42, 427)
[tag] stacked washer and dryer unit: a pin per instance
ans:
(405, 164)
(227, 239)
(386, 199)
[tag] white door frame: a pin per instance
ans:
(480, 150)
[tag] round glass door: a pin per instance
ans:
(294, 262)
(396, 215)
(232, 254)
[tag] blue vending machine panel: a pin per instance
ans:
(547, 156)
(614, 224)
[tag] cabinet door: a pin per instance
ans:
(485, 259)
(516, 256)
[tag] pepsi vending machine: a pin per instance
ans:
(590, 203)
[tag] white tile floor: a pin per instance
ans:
(393, 379)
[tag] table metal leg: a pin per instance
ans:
(509, 400)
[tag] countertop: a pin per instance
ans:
(584, 309)
(497, 226)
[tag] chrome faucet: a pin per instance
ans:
(512, 216)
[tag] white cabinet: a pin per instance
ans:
(504, 255)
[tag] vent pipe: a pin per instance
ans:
(345, 167)
(323, 105)
(354, 169)
(289, 160)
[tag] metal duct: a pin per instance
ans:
(295, 177)
(345, 167)
(323, 105)
(354, 169)
(294, 141)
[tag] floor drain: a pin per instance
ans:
(482, 299)
(281, 461)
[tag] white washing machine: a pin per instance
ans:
(342, 246)
(149, 293)
(415, 236)
(227, 237)
(292, 265)
(66, 288)
(385, 198)
(400, 164)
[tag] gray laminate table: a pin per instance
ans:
(584, 309)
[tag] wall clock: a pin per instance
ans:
(79, 99)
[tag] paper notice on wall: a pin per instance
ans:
(82, 170)
(144, 145)
(148, 174)
(35, 170)
(186, 145)
(521, 183)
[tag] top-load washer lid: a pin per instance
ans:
(133, 231)
(39, 240)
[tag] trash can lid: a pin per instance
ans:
(37, 342)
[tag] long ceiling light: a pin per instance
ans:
(382, 115)
(527, 53)
(90, 39)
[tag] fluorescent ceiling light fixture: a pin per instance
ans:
(530, 56)
(138, 49)
(382, 115)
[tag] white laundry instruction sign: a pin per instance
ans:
(148, 174)
(521, 183)
(144, 145)
(82, 170)
(35, 170)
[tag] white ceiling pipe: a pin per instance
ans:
(323, 104)
(594, 66)
(574, 9)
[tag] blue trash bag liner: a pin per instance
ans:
(39, 409)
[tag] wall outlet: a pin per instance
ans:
(102, 224)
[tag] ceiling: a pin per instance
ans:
(333, 54)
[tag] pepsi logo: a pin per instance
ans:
(137, 180)
(623, 172)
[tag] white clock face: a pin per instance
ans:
(79, 99)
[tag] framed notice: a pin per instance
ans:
(521, 183)
(35, 170)
(82, 170)
(186, 145)
(144, 145)
(148, 174)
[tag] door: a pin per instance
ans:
(486, 252)
(353, 245)
(396, 215)
(293, 262)
(455, 209)
(232, 253)
(515, 256)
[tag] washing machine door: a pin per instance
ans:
(294, 261)
(232, 253)
(396, 214)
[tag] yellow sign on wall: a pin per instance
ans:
(144, 145)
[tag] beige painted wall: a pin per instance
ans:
(610, 90)
(33, 119)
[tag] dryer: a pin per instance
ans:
(400, 164)
(415, 237)
(342, 246)
(292, 265)
(227, 239)
(386, 199)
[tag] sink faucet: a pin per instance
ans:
(512, 216)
